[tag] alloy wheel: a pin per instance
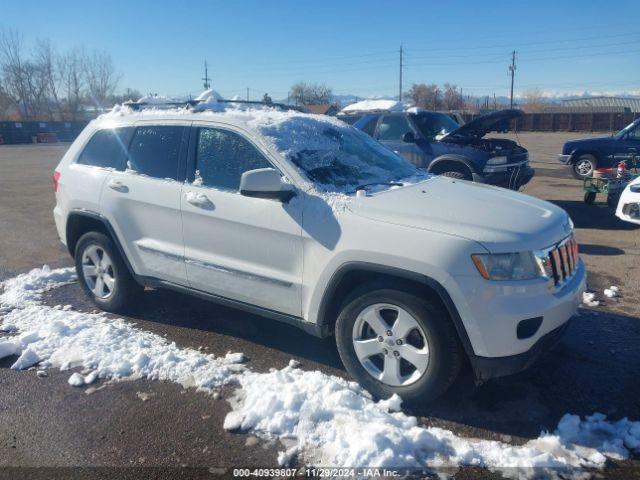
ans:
(97, 269)
(390, 344)
(584, 168)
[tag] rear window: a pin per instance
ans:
(107, 148)
(155, 151)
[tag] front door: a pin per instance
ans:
(391, 130)
(243, 248)
(142, 202)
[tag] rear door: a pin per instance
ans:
(243, 248)
(390, 133)
(142, 201)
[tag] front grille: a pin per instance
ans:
(560, 261)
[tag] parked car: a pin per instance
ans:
(628, 208)
(432, 140)
(584, 155)
(303, 219)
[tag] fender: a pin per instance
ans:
(112, 233)
(578, 151)
(450, 157)
(441, 292)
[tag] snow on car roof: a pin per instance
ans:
(374, 106)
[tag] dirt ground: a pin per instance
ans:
(44, 422)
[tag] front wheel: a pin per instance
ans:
(391, 342)
(102, 273)
(584, 166)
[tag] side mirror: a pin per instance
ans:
(409, 137)
(265, 183)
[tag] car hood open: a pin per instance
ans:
(499, 219)
(479, 127)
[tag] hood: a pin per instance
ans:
(499, 219)
(599, 139)
(479, 127)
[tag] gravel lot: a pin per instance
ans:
(44, 422)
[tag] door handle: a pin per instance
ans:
(118, 186)
(198, 200)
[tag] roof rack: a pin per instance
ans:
(189, 104)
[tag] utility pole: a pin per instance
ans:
(512, 70)
(247, 94)
(206, 79)
(400, 86)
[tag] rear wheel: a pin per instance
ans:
(391, 342)
(102, 273)
(584, 166)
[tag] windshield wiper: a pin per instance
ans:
(389, 184)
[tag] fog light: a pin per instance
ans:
(528, 328)
(631, 210)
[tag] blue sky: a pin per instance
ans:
(159, 46)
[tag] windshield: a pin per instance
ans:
(338, 158)
(626, 129)
(433, 124)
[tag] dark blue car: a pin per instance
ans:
(584, 155)
(433, 141)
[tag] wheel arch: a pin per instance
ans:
(463, 164)
(577, 153)
(352, 274)
(82, 221)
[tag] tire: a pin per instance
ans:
(413, 385)
(584, 166)
(589, 198)
(113, 289)
(457, 175)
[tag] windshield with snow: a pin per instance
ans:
(338, 158)
(433, 124)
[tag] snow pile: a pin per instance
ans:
(589, 299)
(611, 292)
(107, 348)
(332, 422)
(325, 420)
(373, 106)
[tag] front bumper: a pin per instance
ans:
(492, 312)
(565, 159)
(485, 368)
(512, 178)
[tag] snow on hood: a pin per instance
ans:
(374, 105)
(323, 419)
(479, 127)
(500, 219)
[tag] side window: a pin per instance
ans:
(107, 148)
(370, 125)
(393, 127)
(635, 133)
(222, 157)
(155, 151)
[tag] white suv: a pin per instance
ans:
(306, 220)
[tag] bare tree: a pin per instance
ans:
(14, 70)
(533, 100)
(311, 94)
(102, 78)
(452, 98)
(73, 81)
(46, 59)
(425, 96)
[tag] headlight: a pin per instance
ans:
(507, 266)
(497, 161)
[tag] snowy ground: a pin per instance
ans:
(318, 418)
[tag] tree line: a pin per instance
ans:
(41, 83)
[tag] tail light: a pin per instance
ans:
(56, 179)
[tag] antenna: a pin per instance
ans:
(206, 79)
